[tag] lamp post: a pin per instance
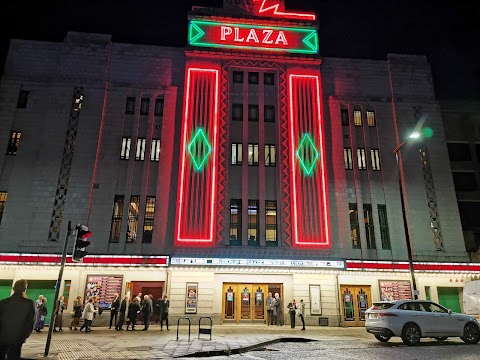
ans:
(396, 151)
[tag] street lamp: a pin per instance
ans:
(396, 151)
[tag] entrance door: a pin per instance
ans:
(244, 302)
(448, 297)
(355, 301)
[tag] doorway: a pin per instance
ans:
(449, 297)
(355, 300)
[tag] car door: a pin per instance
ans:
(413, 312)
(440, 323)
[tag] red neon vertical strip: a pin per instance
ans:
(197, 196)
(309, 192)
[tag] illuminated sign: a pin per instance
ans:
(252, 37)
(272, 10)
(334, 264)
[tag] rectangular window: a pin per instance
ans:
(235, 222)
(369, 229)
(13, 143)
(252, 112)
(148, 222)
(269, 113)
(269, 78)
(155, 150)
(144, 106)
(3, 200)
(357, 117)
(270, 155)
(133, 211)
(116, 218)
(362, 161)
(271, 223)
(238, 77)
(237, 112)
(125, 151)
(371, 118)
(237, 154)
(375, 155)
(347, 156)
(344, 116)
(130, 106)
(253, 222)
(384, 233)
(22, 99)
(159, 102)
(140, 150)
(253, 78)
(464, 181)
(253, 154)
(354, 226)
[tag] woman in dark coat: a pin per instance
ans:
(77, 313)
(133, 310)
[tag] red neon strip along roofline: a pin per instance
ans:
(274, 10)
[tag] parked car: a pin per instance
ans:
(416, 319)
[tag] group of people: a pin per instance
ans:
(295, 309)
(275, 314)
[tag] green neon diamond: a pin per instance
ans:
(199, 149)
(308, 154)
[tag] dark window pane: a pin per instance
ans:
(253, 77)
(237, 112)
(269, 78)
(269, 113)
(238, 77)
(235, 222)
(144, 106)
(354, 226)
(22, 99)
(130, 106)
(159, 107)
(252, 112)
(459, 152)
(384, 233)
(344, 116)
(464, 181)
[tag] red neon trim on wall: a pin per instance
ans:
(403, 266)
(198, 187)
(272, 10)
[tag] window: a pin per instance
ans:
(384, 233)
(464, 181)
(357, 117)
(269, 113)
(3, 200)
(130, 106)
(13, 142)
(253, 221)
(271, 223)
(235, 222)
(354, 226)
(347, 157)
(159, 102)
(140, 151)
(344, 117)
(237, 154)
(253, 154)
(431, 307)
(269, 78)
(362, 161)
(148, 222)
(253, 78)
(238, 77)
(252, 112)
(125, 151)
(369, 229)
(22, 99)
(371, 118)
(133, 210)
(375, 155)
(427, 292)
(144, 106)
(155, 150)
(270, 155)
(116, 218)
(237, 112)
(459, 152)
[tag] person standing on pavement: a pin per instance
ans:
(164, 306)
(269, 302)
(114, 306)
(38, 313)
(88, 313)
(59, 314)
(292, 311)
(133, 310)
(301, 313)
(77, 313)
(123, 310)
(278, 309)
(17, 316)
(147, 311)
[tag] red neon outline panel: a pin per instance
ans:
(309, 188)
(272, 10)
(197, 198)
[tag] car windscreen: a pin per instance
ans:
(382, 306)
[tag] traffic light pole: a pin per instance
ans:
(57, 291)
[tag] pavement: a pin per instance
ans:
(227, 339)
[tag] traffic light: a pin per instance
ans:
(81, 242)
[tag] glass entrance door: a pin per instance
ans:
(244, 302)
(355, 301)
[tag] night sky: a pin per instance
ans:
(447, 31)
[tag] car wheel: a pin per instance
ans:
(441, 338)
(382, 338)
(471, 334)
(411, 334)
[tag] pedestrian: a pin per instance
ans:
(147, 311)
(114, 306)
(301, 313)
(58, 313)
(156, 309)
(292, 311)
(278, 309)
(164, 306)
(77, 313)
(133, 310)
(121, 318)
(40, 313)
(87, 315)
(269, 302)
(17, 316)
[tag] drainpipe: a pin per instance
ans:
(337, 301)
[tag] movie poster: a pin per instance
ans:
(103, 287)
(191, 301)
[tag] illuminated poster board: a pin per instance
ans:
(395, 290)
(103, 286)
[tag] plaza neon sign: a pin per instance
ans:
(252, 37)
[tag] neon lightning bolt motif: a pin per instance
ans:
(274, 10)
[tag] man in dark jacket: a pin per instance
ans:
(147, 310)
(17, 315)
(164, 305)
(121, 318)
(114, 310)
